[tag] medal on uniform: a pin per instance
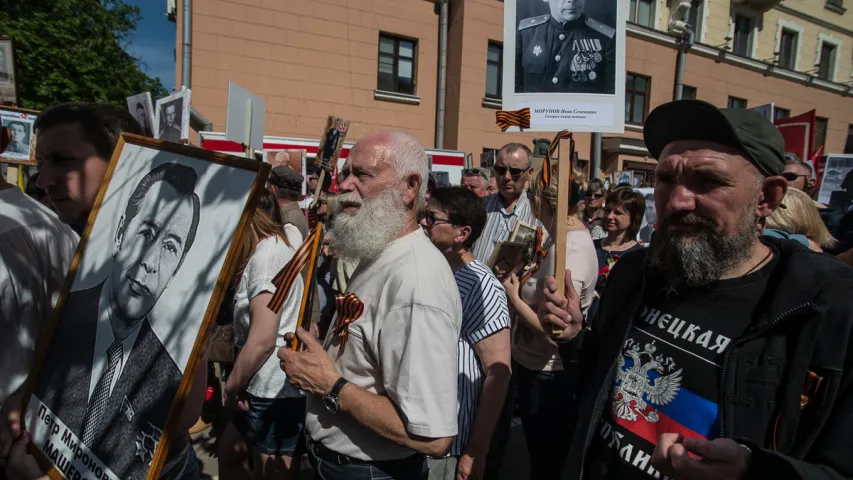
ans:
(537, 50)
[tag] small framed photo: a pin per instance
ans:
(142, 110)
(508, 258)
(172, 117)
(22, 148)
(624, 178)
(523, 233)
(638, 179)
(331, 143)
(8, 73)
(113, 370)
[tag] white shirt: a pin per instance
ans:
(529, 350)
(293, 235)
(271, 255)
(305, 203)
(104, 338)
(36, 249)
(403, 346)
(500, 223)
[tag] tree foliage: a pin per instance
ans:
(73, 50)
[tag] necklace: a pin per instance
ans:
(769, 254)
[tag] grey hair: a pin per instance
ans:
(408, 156)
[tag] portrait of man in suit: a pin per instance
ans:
(112, 382)
(142, 118)
(171, 123)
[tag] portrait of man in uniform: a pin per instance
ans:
(565, 49)
(109, 378)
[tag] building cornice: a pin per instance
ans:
(815, 20)
(723, 56)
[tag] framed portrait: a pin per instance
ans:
(172, 117)
(111, 375)
(8, 73)
(565, 60)
(331, 143)
(624, 178)
(647, 227)
(638, 179)
(141, 108)
(295, 159)
(22, 148)
(836, 186)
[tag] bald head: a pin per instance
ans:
(399, 152)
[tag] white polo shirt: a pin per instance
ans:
(403, 346)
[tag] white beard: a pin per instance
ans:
(362, 236)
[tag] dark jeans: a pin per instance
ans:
(548, 418)
(331, 466)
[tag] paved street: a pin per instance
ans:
(515, 463)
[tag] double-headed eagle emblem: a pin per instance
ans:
(635, 390)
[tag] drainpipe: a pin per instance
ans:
(442, 73)
(187, 44)
(685, 43)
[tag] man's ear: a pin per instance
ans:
(772, 192)
(464, 233)
(413, 185)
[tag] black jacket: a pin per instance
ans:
(786, 384)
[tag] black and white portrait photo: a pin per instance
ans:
(647, 227)
(565, 60)
(172, 117)
(331, 142)
(565, 46)
(132, 320)
(20, 125)
(8, 83)
(141, 109)
(836, 187)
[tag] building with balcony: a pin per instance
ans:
(375, 62)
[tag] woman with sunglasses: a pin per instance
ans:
(542, 388)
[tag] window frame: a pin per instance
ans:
(631, 93)
(636, 12)
(791, 64)
(698, 30)
(500, 65)
(752, 36)
(823, 131)
(695, 90)
(733, 99)
(776, 111)
(397, 39)
(822, 40)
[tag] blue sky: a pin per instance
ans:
(154, 41)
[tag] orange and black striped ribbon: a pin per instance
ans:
(348, 308)
(285, 278)
(539, 255)
(513, 118)
(554, 148)
(312, 218)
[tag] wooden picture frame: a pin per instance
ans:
(9, 92)
(327, 155)
(165, 131)
(215, 257)
(10, 116)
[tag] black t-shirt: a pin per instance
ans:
(668, 373)
(606, 261)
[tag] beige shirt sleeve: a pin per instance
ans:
(417, 355)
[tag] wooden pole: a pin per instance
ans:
(564, 191)
(250, 153)
(306, 307)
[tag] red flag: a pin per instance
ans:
(816, 155)
(798, 132)
(333, 188)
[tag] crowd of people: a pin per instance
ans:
(715, 345)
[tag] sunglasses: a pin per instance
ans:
(431, 219)
(596, 196)
(791, 176)
(513, 172)
(475, 171)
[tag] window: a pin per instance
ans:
(494, 70)
(642, 12)
(735, 102)
(820, 126)
(636, 98)
(780, 113)
(838, 4)
(396, 64)
(788, 49)
(688, 92)
(826, 63)
(742, 40)
(695, 17)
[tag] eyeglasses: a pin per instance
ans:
(431, 219)
(513, 172)
(596, 196)
(475, 171)
(791, 176)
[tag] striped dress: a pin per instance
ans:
(484, 313)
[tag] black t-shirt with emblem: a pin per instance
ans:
(668, 372)
(573, 57)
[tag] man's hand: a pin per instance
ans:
(10, 425)
(469, 467)
(712, 460)
(561, 312)
(20, 465)
(312, 369)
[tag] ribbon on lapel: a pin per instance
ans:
(286, 276)
(539, 254)
(513, 118)
(554, 148)
(348, 308)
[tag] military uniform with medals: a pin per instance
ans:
(575, 57)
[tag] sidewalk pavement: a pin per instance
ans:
(515, 463)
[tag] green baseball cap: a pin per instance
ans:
(759, 140)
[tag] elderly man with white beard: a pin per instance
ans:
(382, 386)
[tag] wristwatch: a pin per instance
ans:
(330, 400)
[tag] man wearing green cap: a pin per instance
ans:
(715, 353)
